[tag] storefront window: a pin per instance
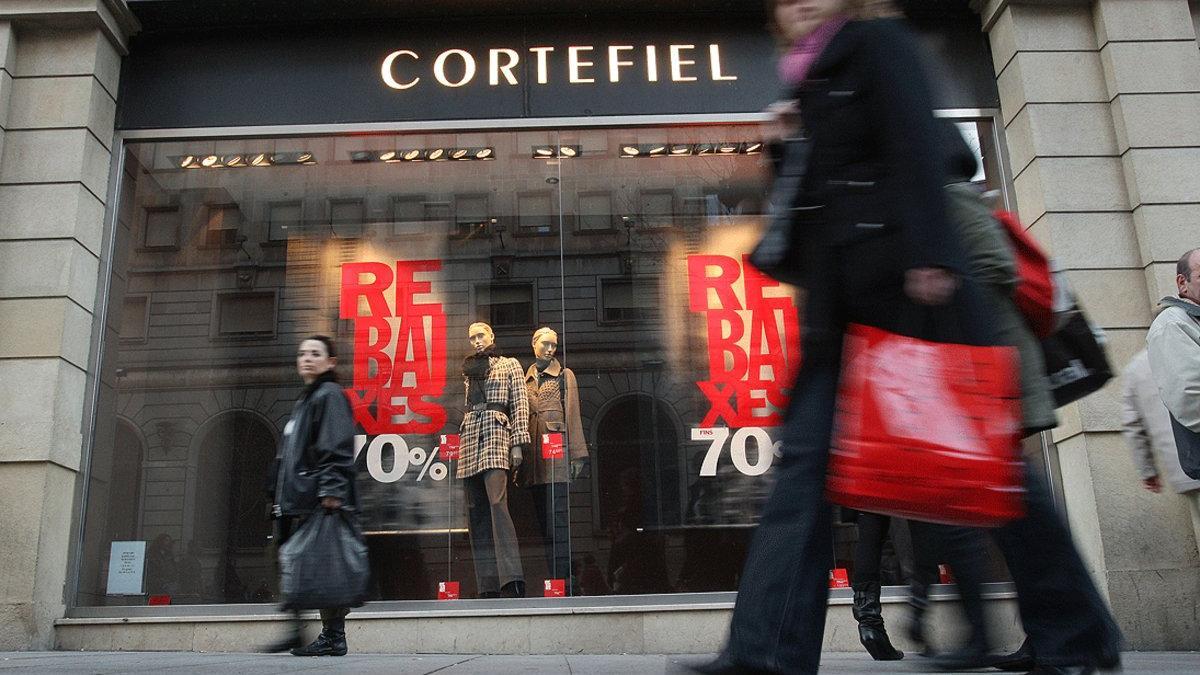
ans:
(628, 243)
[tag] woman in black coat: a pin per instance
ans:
(873, 246)
(315, 469)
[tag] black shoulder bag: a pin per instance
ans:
(776, 254)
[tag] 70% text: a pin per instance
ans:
(402, 457)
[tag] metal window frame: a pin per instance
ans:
(75, 613)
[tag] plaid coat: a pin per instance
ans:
(488, 435)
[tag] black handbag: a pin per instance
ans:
(1076, 361)
(1187, 442)
(324, 563)
(776, 254)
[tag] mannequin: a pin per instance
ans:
(494, 433)
(554, 408)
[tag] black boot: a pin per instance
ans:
(871, 632)
(326, 644)
(513, 589)
(918, 604)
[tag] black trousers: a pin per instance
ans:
(550, 504)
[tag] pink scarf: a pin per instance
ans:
(794, 66)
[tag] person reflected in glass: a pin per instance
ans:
(315, 469)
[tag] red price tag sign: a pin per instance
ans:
(839, 578)
(158, 600)
(449, 448)
(447, 590)
(945, 576)
(552, 446)
(555, 588)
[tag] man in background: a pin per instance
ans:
(1147, 428)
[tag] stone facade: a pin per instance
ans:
(59, 66)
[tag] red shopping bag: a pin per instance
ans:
(927, 430)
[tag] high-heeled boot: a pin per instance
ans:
(871, 632)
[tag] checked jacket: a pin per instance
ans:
(488, 435)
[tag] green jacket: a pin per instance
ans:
(991, 263)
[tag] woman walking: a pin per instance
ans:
(315, 465)
(874, 247)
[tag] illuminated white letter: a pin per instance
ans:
(651, 63)
(678, 62)
(495, 68)
(714, 57)
(575, 64)
(439, 67)
(542, 77)
(386, 70)
(615, 62)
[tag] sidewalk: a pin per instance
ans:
(96, 663)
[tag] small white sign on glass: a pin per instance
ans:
(126, 567)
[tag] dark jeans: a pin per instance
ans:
(493, 535)
(550, 504)
(779, 617)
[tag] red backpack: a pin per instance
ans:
(1035, 289)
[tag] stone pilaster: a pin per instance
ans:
(59, 67)
(1103, 139)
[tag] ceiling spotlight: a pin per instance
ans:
(436, 153)
(306, 158)
(484, 153)
(704, 149)
(460, 153)
(362, 156)
(188, 162)
(679, 150)
(235, 160)
(412, 155)
(630, 151)
(210, 161)
(540, 151)
(753, 148)
(727, 148)
(387, 156)
(658, 150)
(569, 150)
(261, 159)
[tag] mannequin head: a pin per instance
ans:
(481, 337)
(545, 343)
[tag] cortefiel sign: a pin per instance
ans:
(471, 69)
(576, 65)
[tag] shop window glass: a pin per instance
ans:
(222, 224)
(400, 260)
(162, 228)
(471, 213)
(505, 306)
(535, 213)
(134, 318)
(285, 220)
(408, 215)
(621, 301)
(657, 208)
(346, 217)
(595, 211)
(245, 314)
